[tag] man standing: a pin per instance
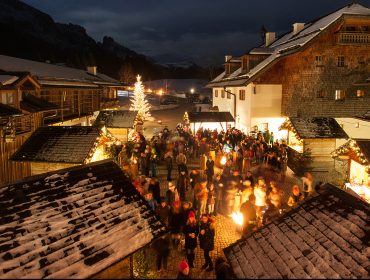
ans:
(207, 240)
(169, 165)
(210, 169)
(248, 209)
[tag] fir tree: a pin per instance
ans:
(139, 102)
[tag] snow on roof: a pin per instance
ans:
(68, 144)
(293, 42)
(312, 128)
(116, 118)
(31, 103)
(210, 117)
(55, 73)
(73, 223)
(8, 79)
(326, 236)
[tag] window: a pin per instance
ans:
(216, 93)
(339, 94)
(318, 60)
(228, 95)
(7, 98)
(340, 61)
(242, 94)
(320, 94)
(222, 93)
(360, 93)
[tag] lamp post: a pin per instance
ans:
(160, 92)
(233, 94)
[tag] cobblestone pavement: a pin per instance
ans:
(226, 231)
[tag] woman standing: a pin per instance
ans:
(191, 231)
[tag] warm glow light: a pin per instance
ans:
(160, 92)
(237, 218)
(192, 90)
(223, 160)
(149, 90)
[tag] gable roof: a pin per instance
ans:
(116, 118)
(31, 103)
(361, 147)
(326, 236)
(72, 223)
(7, 111)
(50, 74)
(210, 117)
(312, 128)
(67, 144)
(290, 43)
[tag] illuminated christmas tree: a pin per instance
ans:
(139, 102)
(186, 118)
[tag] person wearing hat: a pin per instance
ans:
(191, 232)
(163, 211)
(184, 272)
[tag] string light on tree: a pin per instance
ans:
(139, 102)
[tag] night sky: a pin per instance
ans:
(200, 31)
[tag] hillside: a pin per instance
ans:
(29, 33)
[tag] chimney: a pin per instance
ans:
(228, 57)
(297, 27)
(92, 70)
(269, 38)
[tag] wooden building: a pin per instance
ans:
(118, 122)
(317, 69)
(46, 94)
(355, 153)
(52, 148)
(78, 223)
(310, 143)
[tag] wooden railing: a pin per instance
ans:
(14, 126)
(353, 38)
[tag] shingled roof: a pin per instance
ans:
(116, 118)
(73, 223)
(311, 128)
(7, 111)
(324, 237)
(68, 144)
(210, 117)
(31, 103)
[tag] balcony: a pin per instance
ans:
(353, 38)
(14, 126)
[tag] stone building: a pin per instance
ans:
(319, 68)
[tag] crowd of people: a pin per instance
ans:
(224, 184)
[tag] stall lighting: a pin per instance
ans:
(223, 160)
(237, 218)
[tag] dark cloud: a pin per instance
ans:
(202, 31)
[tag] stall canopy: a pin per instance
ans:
(73, 223)
(326, 236)
(200, 117)
(116, 118)
(312, 128)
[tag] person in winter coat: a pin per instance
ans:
(169, 164)
(175, 223)
(307, 180)
(296, 197)
(275, 196)
(248, 209)
(187, 207)
(171, 194)
(155, 189)
(211, 199)
(184, 272)
(162, 248)
(210, 169)
(207, 240)
(219, 188)
(180, 159)
(191, 231)
(201, 194)
(182, 184)
(151, 201)
(163, 211)
(260, 194)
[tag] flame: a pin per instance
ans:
(237, 217)
(223, 160)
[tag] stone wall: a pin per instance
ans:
(309, 86)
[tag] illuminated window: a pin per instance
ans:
(242, 94)
(320, 94)
(222, 93)
(7, 98)
(360, 93)
(216, 93)
(339, 94)
(340, 61)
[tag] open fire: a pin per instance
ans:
(237, 218)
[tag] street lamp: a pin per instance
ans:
(192, 90)
(233, 94)
(160, 92)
